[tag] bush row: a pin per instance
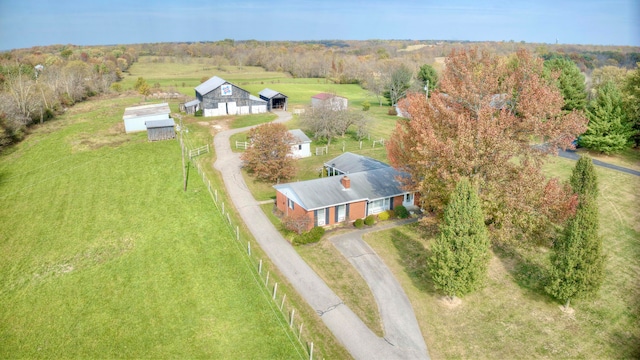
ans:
(312, 236)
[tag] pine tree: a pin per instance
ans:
(583, 178)
(577, 263)
(570, 82)
(609, 128)
(460, 254)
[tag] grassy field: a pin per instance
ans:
(511, 317)
(104, 255)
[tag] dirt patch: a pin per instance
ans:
(450, 303)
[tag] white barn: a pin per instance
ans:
(135, 117)
(217, 97)
(333, 101)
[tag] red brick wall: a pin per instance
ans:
(357, 210)
(282, 205)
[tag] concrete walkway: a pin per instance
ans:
(347, 327)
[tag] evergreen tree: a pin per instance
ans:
(428, 75)
(609, 129)
(577, 263)
(583, 178)
(570, 82)
(460, 254)
(631, 96)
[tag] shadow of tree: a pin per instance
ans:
(528, 267)
(413, 257)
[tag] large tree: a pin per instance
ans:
(631, 96)
(609, 130)
(577, 262)
(584, 180)
(268, 156)
(460, 254)
(399, 83)
(480, 124)
(326, 122)
(570, 81)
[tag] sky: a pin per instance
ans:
(27, 23)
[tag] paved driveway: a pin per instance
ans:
(347, 327)
(400, 325)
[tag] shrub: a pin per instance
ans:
(391, 213)
(402, 212)
(392, 111)
(370, 220)
(359, 223)
(383, 216)
(198, 112)
(312, 236)
(365, 105)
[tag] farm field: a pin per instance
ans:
(105, 256)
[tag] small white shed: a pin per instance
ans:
(301, 146)
(135, 117)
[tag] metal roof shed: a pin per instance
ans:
(274, 99)
(160, 129)
(135, 117)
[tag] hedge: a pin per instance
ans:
(312, 236)
(401, 212)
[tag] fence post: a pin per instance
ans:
(249, 248)
(311, 352)
(275, 290)
(293, 312)
(260, 267)
(216, 191)
(228, 219)
(266, 282)
(300, 332)
(237, 233)
(282, 303)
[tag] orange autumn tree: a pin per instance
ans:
(268, 157)
(482, 123)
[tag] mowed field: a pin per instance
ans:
(103, 255)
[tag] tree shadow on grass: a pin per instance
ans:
(413, 257)
(528, 269)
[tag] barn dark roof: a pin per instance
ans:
(208, 86)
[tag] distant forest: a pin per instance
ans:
(39, 82)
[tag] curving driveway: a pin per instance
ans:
(403, 339)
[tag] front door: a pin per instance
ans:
(408, 200)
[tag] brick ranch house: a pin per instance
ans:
(357, 186)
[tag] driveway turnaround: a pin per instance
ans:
(347, 327)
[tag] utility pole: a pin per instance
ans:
(426, 89)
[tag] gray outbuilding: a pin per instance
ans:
(161, 129)
(274, 99)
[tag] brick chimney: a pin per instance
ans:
(346, 182)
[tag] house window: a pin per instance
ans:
(290, 204)
(300, 147)
(342, 212)
(321, 217)
(378, 206)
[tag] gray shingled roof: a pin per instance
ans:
(326, 192)
(301, 137)
(208, 86)
(350, 163)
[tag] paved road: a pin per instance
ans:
(400, 325)
(347, 327)
(571, 154)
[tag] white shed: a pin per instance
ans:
(135, 117)
(301, 147)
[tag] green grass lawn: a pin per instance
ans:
(512, 317)
(104, 255)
